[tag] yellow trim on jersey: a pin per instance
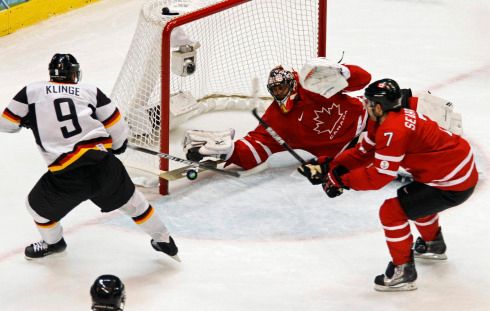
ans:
(76, 156)
(113, 121)
(6, 116)
(49, 225)
(148, 216)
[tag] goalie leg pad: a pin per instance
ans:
(441, 111)
(456, 126)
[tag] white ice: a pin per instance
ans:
(269, 241)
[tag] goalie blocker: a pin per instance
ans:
(200, 144)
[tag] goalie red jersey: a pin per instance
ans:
(433, 155)
(322, 126)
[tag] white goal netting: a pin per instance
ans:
(233, 41)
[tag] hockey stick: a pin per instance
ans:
(281, 141)
(185, 161)
(277, 138)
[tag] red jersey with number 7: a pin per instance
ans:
(433, 155)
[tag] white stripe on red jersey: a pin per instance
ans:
(431, 154)
(322, 126)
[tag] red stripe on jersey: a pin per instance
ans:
(9, 115)
(145, 216)
(46, 225)
(80, 149)
(431, 154)
(113, 119)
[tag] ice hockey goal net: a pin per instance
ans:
(238, 40)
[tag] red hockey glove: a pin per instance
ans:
(333, 185)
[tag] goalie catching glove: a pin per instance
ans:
(216, 144)
(324, 77)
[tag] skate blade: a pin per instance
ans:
(396, 288)
(176, 258)
(430, 256)
(52, 255)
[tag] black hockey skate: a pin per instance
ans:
(430, 249)
(167, 248)
(42, 249)
(397, 278)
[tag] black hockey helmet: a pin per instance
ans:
(279, 77)
(108, 293)
(64, 68)
(386, 92)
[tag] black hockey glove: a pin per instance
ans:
(194, 155)
(315, 171)
(121, 149)
(25, 122)
(406, 94)
(333, 185)
(332, 191)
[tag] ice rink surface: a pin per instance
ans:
(269, 241)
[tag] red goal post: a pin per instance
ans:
(238, 38)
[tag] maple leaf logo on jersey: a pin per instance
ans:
(329, 120)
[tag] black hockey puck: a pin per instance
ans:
(166, 11)
(191, 174)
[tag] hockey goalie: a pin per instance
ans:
(311, 111)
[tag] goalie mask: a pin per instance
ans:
(64, 68)
(108, 293)
(281, 84)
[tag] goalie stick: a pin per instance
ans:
(280, 140)
(185, 161)
(277, 138)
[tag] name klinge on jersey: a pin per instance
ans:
(63, 88)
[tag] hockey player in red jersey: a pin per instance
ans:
(310, 111)
(441, 163)
(78, 130)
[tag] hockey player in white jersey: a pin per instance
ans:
(78, 130)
